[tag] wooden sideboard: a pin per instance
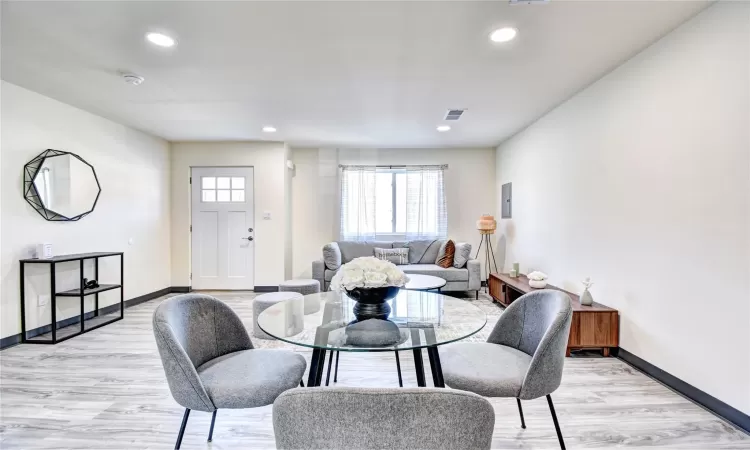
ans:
(595, 326)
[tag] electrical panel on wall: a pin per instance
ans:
(506, 211)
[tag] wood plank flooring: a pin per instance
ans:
(106, 390)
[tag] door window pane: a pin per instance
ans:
(208, 195)
(222, 183)
(222, 195)
(208, 182)
(238, 182)
(238, 195)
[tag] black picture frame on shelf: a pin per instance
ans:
(30, 193)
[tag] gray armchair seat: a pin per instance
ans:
(250, 378)
(210, 362)
(523, 356)
(489, 370)
(382, 418)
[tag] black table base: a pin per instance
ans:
(317, 364)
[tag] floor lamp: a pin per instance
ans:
(487, 226)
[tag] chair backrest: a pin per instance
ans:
(190, 330)
(379, 418)
(538, 324)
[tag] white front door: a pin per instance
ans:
(223, 228)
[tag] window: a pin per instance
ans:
(223, 189)
(406, 202)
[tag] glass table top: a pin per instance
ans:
(418, 319)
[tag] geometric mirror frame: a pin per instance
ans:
(61, 186)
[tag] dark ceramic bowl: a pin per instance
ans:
(373, 296)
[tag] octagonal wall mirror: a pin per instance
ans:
(61, 186)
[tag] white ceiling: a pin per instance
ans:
(357, 74)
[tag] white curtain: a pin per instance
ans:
(358, 203)
(426, 212)
(422, 205)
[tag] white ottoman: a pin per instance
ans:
(287, 324)
(304, 287)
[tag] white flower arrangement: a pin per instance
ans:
(537, 276)
(368, 272)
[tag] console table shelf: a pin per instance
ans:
(86, 321)
(77, 292)
(595, 326)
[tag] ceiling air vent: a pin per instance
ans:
(454, 114)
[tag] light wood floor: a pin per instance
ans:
(106, 389)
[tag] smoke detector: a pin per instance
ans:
(132, 78)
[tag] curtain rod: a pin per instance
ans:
(402, 166)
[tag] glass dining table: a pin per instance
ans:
(418, 320)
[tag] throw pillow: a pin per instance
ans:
(332, 256)
(446, 260)
(398, 256)
(463, 254)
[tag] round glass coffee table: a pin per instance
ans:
(418, 320)
(419, 282)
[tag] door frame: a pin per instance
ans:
(190, 226)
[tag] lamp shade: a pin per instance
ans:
(487, 224)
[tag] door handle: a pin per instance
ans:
(249, 238)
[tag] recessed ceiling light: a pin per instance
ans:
(443, 128)
(269, 129)
(503, 35)
(162, 40)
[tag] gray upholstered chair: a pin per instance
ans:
(380, 418)
(210, 362)
(523, 356)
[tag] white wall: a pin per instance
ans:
(469, 184)
(642, 181)
(269, 163)
(133, 170)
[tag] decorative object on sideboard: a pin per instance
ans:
(515, 271)
(537, 280)
(586, 299)
(43, 251)
(61, 186)
(487, 226)
(370, 282)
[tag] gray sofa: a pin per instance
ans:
(422, 257)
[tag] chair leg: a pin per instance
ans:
(520, 411)
(477, 294)
(336, 370)
(398, 368)
(330, 363)
(182, 429)
(557, 425)
(211, 431)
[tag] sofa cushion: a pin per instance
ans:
(424, 252)
(329, 274)
(357, 249)
(463, 253)
(449, 274)
(398, 256)
(332, 256)
(446, 254)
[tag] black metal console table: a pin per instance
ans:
(95, 320)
